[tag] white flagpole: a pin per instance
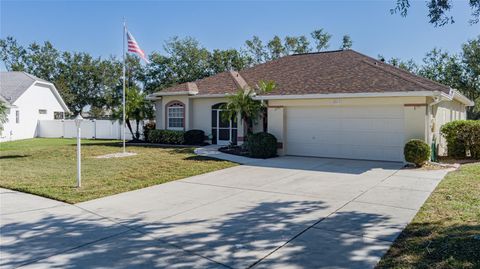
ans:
(124, 79)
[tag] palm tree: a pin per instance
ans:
(137, 108)
(243, 103)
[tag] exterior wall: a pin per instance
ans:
(35, 98)
(165, 101)
(442, 113)
(202, 113)
(415, 122)
(198, 113)
(159, 118)
(276, 123)
(201, 118)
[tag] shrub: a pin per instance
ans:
(166, 137)
(194, 137)
(262, 145)
(147, 128)
(416, 151)
(462, 136)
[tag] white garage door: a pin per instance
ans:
(354, 132)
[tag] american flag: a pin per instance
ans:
(134, 47)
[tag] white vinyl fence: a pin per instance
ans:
(97, 129)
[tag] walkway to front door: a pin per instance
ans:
(224, 132)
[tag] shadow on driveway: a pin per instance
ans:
(234, 240)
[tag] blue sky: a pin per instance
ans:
(96, 26)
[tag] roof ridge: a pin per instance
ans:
(192, 86)
(399, 75)
(238, 79)
(316, 52)
(381, 67)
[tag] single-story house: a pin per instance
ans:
(339, 104)
(28, 99)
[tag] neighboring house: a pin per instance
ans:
(339, 104)
(28, 100)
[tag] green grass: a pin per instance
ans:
(445, 233)
(47, 167)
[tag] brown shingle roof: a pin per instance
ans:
(344, 71)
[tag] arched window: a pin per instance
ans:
(175, 112)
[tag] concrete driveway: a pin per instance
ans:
(287, 212)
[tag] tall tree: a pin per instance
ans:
(471, 62)
(42, 61)
(296, 44)
(227, 60)
(137, 108)
(346, 42)
(81, 82)
(321, 38)
(188, 60)
(409, 65)
(438, 11)
(461, 72)
(276, 48)
(256, 50)
(12, 54)
(442, 67)
(159, 73)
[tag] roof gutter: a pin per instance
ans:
(461, 98)
(345, 95)
(452, 95)
(159, 94)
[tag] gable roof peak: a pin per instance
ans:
(238, 79)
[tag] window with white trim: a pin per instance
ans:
(17, 116)
(176, 116)
(42, 111)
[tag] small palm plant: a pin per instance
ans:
(243, 103)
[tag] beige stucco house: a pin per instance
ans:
(339, 104)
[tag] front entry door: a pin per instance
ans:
(224, 131)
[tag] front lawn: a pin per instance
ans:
(445, 233)
(47, 167)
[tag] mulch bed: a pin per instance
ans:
(234, 150)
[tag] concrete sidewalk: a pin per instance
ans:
(287, 212)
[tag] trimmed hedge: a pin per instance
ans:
(462, 136)
(194, 137)
(166, 137)
(416, 151)
(262, 145)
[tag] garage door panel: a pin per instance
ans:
(357, 124)
(361, 132)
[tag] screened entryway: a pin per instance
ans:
(224, 132)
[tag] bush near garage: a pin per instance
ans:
(416, 151)
(166, 137)
(194, 137)
(262, 145)
(462, 136)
